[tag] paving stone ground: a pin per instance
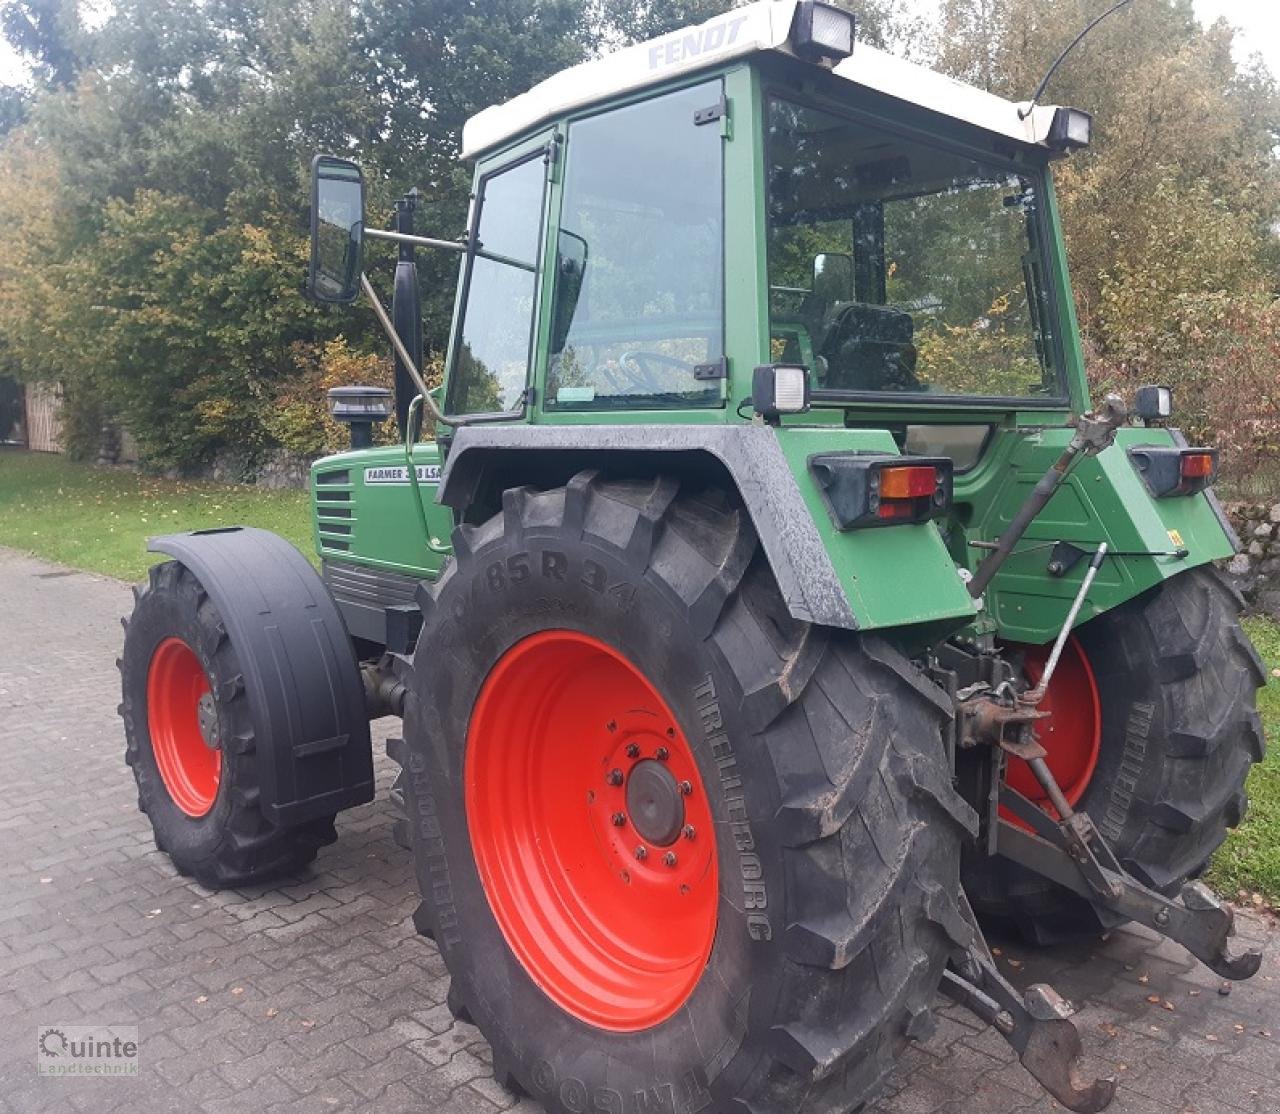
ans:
(318, 995)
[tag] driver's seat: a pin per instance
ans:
(869, 348)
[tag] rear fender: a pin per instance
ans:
(859, 579)
(300, 673)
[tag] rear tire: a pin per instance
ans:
(818, 755)
(176, 647)
(1177, 680)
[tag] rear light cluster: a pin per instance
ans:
(862, 491)
(1168, 471)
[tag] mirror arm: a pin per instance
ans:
(401, 350)
(417, 241)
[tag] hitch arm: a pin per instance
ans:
(1036, 1024)
(1197, 919)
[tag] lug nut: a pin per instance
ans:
(670, 858)
(633, 751)
(690, 831)
(686, 787)
(618, 819)
(642, 853)
(615, 777)
(663, 754)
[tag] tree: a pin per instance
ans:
(154, 200)
(47, 33)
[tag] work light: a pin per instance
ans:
(1071, 128)
(1152, 403)
(361, 408)
(780, 389)
(822, 31)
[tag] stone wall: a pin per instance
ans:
(279, 471)
(1255, 570)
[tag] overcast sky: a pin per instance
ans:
(1258, 22)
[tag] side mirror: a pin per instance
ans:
(571, 269)
(337, 230)
(833, 277)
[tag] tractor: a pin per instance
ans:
(769, 609)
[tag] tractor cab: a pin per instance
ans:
(680, 213)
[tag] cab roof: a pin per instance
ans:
(759, 28)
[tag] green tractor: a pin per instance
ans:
(771, 607)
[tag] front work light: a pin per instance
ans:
(1071, 129)
(778, 389)
(1168, 471)
(822, 32)
(862, 491)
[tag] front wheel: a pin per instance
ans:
(1152, 730)
(190, 741)
(672, 843)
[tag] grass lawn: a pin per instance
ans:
(1250, 859)
(100, 518)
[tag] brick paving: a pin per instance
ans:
(318, 995)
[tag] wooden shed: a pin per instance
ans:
(44, 434)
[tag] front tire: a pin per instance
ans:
(809, 916)
(1176, 681)
(190, 741)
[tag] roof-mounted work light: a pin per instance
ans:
(1072, 128)
(822, 32)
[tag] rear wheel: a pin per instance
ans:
(191, 744)
(671, 842)
(1153, 730)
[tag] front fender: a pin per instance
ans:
(300, 674)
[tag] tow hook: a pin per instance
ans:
(1036, 1023)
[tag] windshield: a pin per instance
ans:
(899, 267)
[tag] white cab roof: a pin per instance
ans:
(755, 28)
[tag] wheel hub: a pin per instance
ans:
(655, 805)
(207, 717)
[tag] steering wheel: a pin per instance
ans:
(643, 375)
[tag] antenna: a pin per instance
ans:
(1023, 113)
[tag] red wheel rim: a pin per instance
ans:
(190, 769)
(1073, 732)
(615, 939)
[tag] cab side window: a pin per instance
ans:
(490, 367)
(639, 299)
